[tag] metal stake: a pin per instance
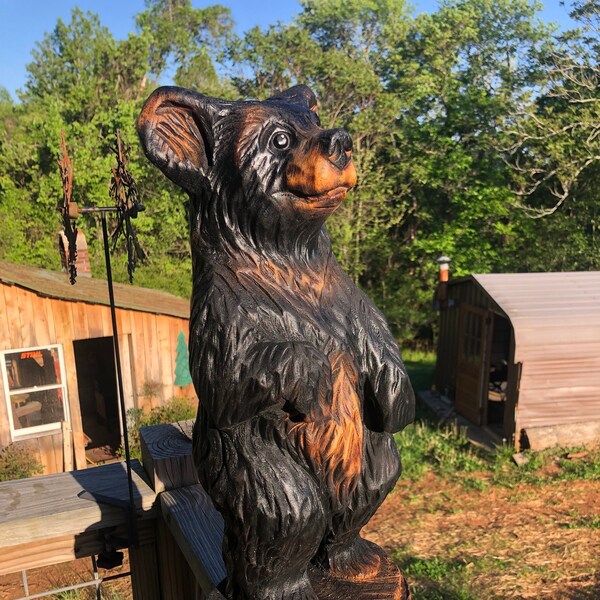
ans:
(113, 313)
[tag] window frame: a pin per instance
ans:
(35, 430)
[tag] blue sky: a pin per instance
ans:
(24, 22)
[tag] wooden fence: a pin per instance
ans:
(45, 521)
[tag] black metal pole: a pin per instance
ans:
(113, 313)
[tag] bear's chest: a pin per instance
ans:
(303, 307)
(293, 306)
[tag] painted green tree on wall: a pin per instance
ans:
(182, 362)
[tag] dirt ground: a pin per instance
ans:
(527, 542)
(531, 541)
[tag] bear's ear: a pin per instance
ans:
(300, 95)
(175, 128)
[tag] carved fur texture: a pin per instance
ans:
(300, 381)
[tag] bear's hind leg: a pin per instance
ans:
(274, 519)
(343, 552)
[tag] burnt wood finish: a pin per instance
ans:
(300, 381)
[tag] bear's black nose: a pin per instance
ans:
(338, 145)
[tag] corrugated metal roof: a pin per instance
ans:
(54, 284)
(547, 309)
(556, 323)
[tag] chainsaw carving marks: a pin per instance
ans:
(300, 381)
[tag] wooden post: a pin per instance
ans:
(67, 446)
(145, 582)
(190, 530)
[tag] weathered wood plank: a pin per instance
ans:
(42, 508)
(177, 580)
(198, 530)
(4, 340)
(67, 446)
(166, 356)
(167, 455)
(25, 304)
(80, 322)
(566, 435)
(127, 371)
(93, 314)
(39, 318)
(143, 562)
(151, 350)
(11, 308)
(65, 548)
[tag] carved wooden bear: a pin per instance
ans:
(300, 381)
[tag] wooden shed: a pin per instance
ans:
(58, 391)
(520, 354)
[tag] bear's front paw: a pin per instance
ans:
(309, 385)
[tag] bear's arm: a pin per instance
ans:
(389, 397)
(248, 376)
(293, 375)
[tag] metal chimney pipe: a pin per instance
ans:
(443, 277)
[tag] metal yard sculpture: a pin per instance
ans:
(125, 206)
(300, 381)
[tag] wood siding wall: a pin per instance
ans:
(148, 350)
(465, 292)
(552, 380)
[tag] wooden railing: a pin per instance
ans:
(44, 521)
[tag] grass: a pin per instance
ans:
(421, 368)
(446, 451)
(459, 546)
(18, 462)
(446, 578)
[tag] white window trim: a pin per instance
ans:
(36, 430)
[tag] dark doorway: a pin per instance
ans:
(98, 397)
(498, 374)
(474, 332)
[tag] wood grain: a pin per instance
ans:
(177, 582)
(31, 320)
(167, 455)
(45, 507)
(198, 529)
(143, 561)
(65, 548)
(388, 584)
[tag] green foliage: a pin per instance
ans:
(177, 409)
(466, 122)
(18, 463)
(446, 451)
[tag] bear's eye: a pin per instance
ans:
(281, 140)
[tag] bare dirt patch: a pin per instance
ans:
(531, 541)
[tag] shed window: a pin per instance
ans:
(36, 391)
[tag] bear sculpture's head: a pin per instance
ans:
(259, 174)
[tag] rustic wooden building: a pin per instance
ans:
(58, 390)
(520, 354)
